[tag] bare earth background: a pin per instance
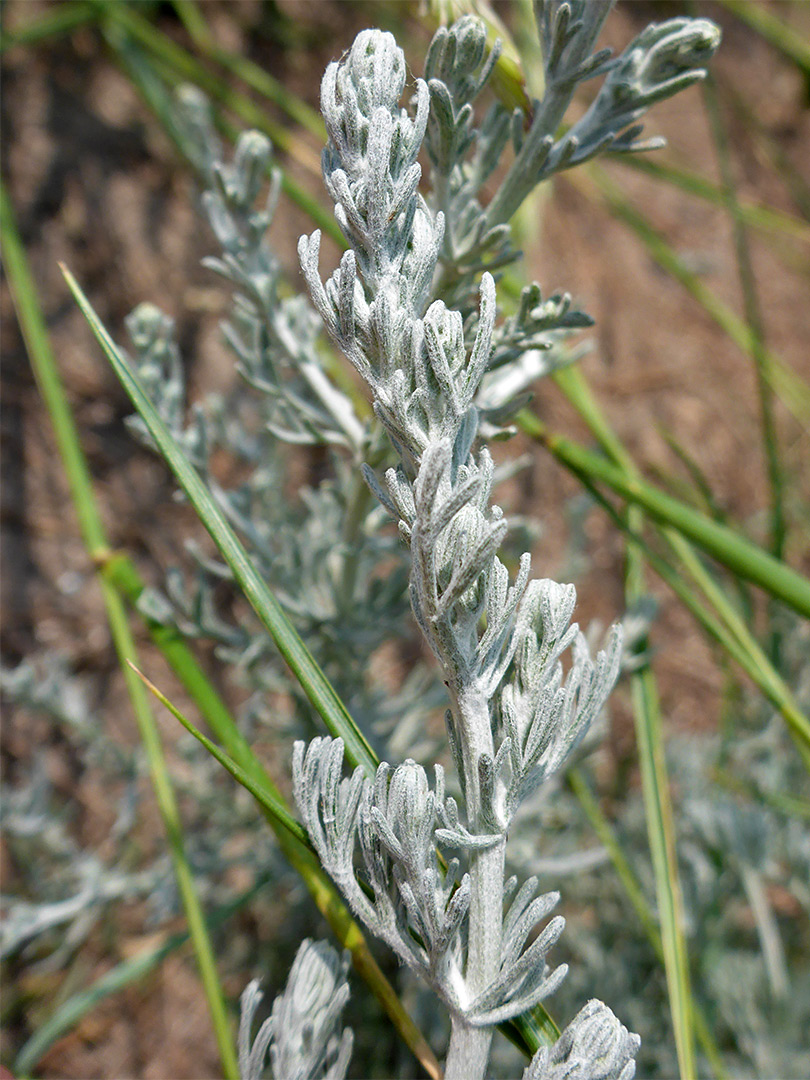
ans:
(96, 184)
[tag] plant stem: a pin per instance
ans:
(729, 628)
(791, 387)
(468, 1051)
(725, 545)
(775, 31)
(60, 20)
(753, 316)
(754, 215)
(523, 172)
(469, 1046)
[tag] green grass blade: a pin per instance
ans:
(120, 571)
(655, 781)
(124, 974)
(576, 780)
(43, 364)
(62, 19)
(775, 31)
(38, 346)
(793, 390)
(661, 831)
(314, 683)
(729, 628)
(531, 1030)
(701, 488)
(251, 74)
(151, 73)
(729, 632)
(754, 215)
(170, 813)
(264, 796)
(753, 318)
(725, 545)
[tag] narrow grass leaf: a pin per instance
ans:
(59, 20)
(792, 389)
(727, 627)
(661, 832)
(314, 683)
(576, 780)
(728, 547)
(757, 216)
(775, 31)
(263, 796)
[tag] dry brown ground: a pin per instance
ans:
(95, 184)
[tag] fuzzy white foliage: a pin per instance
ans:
(301, 1034)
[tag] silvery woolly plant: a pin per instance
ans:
(515, 713)
(301, 1033)
(413, 307)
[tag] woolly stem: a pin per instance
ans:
(469, 1046)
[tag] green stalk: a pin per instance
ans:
(730, 629)
(293, 837)
(254, 76)
(775, 31)
(654, 776)
(700, 485)
(725, 545)
(44, 367)
(754, 215)
(661, 831)
(576, 780)
(793, 390)
(753, 316)
(759, 670)
(169, 812)
(578, 783)
(265, 797)
(57, 21)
